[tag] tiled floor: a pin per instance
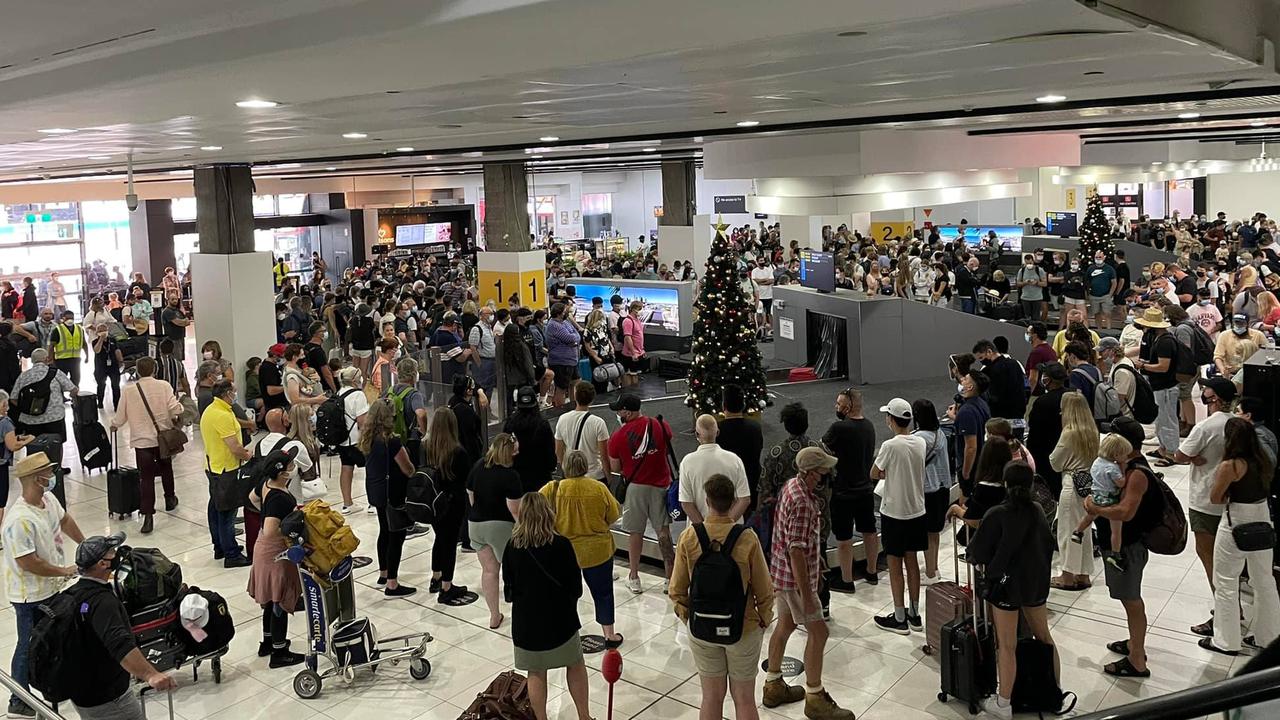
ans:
(878, 675)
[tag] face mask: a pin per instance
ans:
(208, 354)
(1128, 319)
(53, 483)
(1239, 330)
(281, 316)
(960, 388)
(1206, 303)
(116, 562)
(1026, 336)
(1075, 266)
(1207, 400)
(1099, 261)
(69, 323)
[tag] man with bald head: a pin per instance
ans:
(710, 459)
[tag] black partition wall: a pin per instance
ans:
(828, 351)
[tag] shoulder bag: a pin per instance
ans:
(1252, 536)
(169, 442)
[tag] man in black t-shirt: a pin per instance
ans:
(1007, 393)
(743, 437)
(1184, 286)
(1157, 361)
(967, 281)
(315, 358)
(852, 440)
(173, 325)
(270, 379)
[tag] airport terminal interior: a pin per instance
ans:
(966, 313)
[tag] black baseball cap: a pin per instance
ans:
(627, 402)
(94, 548)
(1222, 387)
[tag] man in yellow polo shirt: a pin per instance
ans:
(223, 453)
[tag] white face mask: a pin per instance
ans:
(208, 354)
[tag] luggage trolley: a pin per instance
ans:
(349, 644)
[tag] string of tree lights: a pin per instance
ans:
(725, 350)
(1095, 230)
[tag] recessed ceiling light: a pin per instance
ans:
(748, 123)
(1257, 123)
(99, 157)
(179, 172)
(355, 135)
(852, 33)
(253, 104)
(1188, 115)
(404, 149)
(649, 150)
(211, 148)
(1051, 98)
(536, 157)
(330, 169)
(548, 138)
(57, 131)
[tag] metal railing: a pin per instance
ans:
(1215, 697)
(43, 711)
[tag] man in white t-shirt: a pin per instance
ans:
(710, 459)
(35, 560)
(354, 407)
(277, 438)
(1203, 448)
(762, 277)
(904, 529)
(578, 429)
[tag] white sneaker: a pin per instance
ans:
(993, 708)
(352, 508)
(927, 579)
(371, 510)
(633, 584)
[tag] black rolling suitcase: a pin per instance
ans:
(123, 494)
(94, 445)
(969, 656)
(84, 408)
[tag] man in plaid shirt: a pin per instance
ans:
(794, 569)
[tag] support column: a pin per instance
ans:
(231, 285)
(151, 238)
(506, 207)
(679, 193)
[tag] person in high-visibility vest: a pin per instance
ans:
(69, 346)
(281, 271)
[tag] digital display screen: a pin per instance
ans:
(1062, 224)
(661, 305)
(818, 270)
(424, 234)
(1009, 236)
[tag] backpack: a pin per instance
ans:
(56, 645)
(506, 697)
(332, 428)
(1184, 366)
(1144, 406)
(1104, 399)
(1201, 344)
(328, 538)
(1035, 688)
(34, 399)
(425, 499)
(717, 602)
(147, 577)
(1169, 535)
(397, 399)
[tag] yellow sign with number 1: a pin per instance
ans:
(503, 274)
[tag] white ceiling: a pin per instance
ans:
(160, 77)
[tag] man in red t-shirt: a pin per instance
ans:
(1041, 352)
(640, 451)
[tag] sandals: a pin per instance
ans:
(1164, 462)
(1156, 454)
(611, 644)
(1124, 668)
(1057, 584)
(1204, 629)
(1120, 647)
(501, 617)
(1207, 644)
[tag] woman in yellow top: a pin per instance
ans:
(584, 511)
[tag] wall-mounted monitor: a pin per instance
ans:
(1062, 224)
(1009, 236)
(424, 234)
(818, 270)
(661, 311)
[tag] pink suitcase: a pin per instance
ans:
(943, 602)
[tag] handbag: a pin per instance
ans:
(1252, 536)
(170, 441)
(1082, 481)
(506, 698)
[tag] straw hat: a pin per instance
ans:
(32, 464)
(1153, 318)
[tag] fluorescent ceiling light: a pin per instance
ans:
(330, 169)
(649, 150)
(257, 104)
(536, 157)
(548, 138)
(57, 131)
(1257, 123)
(1188, 115)
(1051, 98)
(404, 149)
(211, 148)
(99, 157)
(749, 123)
(355, 135)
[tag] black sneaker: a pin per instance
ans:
(171, 503)
(891, 623)
(454, 593)
(434, 586)
(20, 710)
(237, 562)
(840, 586)
(915, 622)
(873, 579)
(284, 658)
(381, 581)
(400, 591)
(264, 647)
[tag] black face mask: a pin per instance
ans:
(116, 562)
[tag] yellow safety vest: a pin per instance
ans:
(68, 348)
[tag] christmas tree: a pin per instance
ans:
(724, 335)
(1095, 231)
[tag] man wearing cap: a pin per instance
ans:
(794, 570)
(904, 529)
(1203, 448)
(35, 562)
(1119, 371)
(111, 656)
(53, 419)
(1233, 347)
(1157, 360)
(223, 452)
(453, 355)
(639, 449)
(270, 379)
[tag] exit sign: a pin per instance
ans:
(34, 218)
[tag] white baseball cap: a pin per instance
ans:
(194, 611)
(898, 408)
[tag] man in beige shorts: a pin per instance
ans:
(794, 569)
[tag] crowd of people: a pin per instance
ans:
(1057, 435)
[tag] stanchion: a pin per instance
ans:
(611, 669)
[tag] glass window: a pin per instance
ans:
(106, 234)
(295, 245)
(597, 203)
(184, 208)
(291, 204)
(264, 205)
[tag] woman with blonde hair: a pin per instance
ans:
(494, 491)
(302, 429)
(387, 469)
(450, 466)
(1268, 311)
(597, 344)
(585, 511)
(540, 572)
(1075, 452)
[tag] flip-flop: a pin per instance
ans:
(1120, 647)
(1155, 454)
(609, 644)
(501, 617)
(1164, 463)
(1207, 644)
(1057, 584)
(1124, 668)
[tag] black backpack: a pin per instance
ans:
(425, 499)
(147, 577)
(33, 399)
(1035, 689)
(1144, 405)
(1183, 364)
(56, 646)
(332, 428)
(717, 602)
(1201, 344)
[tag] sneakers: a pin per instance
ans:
(400, 591)
(840, 586)
(264, 647)
(994, 708)
(926, 579)
(820, 706)
(351, 509)
(1077, 537)
(381, 581)
(171, 503)
(284, 658)
(633, 584)
(416, 530)
(891, 623)
(454, 593)
(237, 562)
(915, 622)
(778, 692)
(371, 510)
(873, 579)
(20, 710)
(433, 587)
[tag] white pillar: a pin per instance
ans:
(234, 297)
